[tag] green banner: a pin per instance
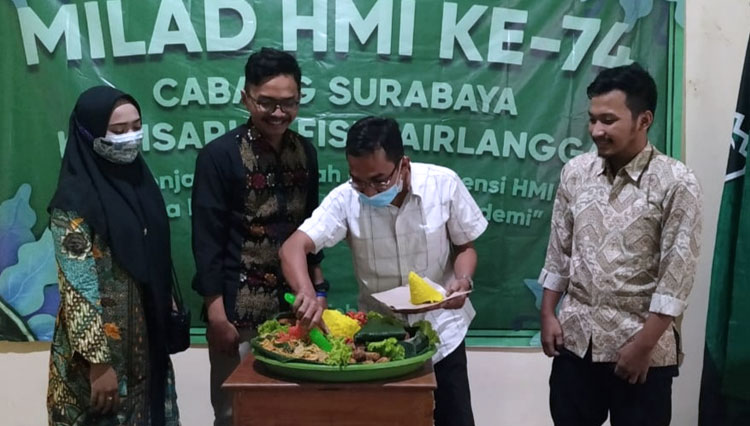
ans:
(493, 90)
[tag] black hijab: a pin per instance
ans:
(123, 205)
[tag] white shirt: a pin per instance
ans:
(389, 242)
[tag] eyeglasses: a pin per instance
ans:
(378, 185)
(269, 104)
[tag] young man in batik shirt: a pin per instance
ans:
(623, 248)
(253, 187)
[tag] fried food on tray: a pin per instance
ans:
(298, 349)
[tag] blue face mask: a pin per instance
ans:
(382, 199)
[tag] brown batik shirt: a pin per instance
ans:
(622, 246)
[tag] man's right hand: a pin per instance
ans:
(298, 274)
(223, 336)
(552, 335)
(105, 397)
(309, 310)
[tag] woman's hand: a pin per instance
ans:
(105, 398)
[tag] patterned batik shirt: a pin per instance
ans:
(247, 200)
(621, 246)
(101, 319)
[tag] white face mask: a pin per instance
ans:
(119, 149)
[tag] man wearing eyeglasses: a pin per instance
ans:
(253, 187)
(398, 216)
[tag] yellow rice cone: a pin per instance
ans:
(421, 292)
(340, 325)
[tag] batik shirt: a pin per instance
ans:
(100, 320)
(247, 200)
(623, 245)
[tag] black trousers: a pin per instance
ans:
(452, 396)
(583, 392)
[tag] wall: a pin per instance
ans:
(509, 387)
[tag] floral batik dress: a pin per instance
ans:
(100, 320)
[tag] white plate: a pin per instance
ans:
(399, 299)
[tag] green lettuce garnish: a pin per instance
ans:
(271, 327)
(426, 328)
(373, 315)
(340, 352)
(388, 347)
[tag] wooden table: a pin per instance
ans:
(263, 399)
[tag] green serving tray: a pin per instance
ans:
(329, 373)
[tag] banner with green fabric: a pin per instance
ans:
(495, 91)
(725, 394)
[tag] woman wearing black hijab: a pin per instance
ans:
(109, 363)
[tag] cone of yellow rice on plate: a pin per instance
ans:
(422, 292)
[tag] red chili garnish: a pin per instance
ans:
(283, 337)
(361, 317)
(297, 332)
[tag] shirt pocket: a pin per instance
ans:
(436, 249)
(376, 256)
